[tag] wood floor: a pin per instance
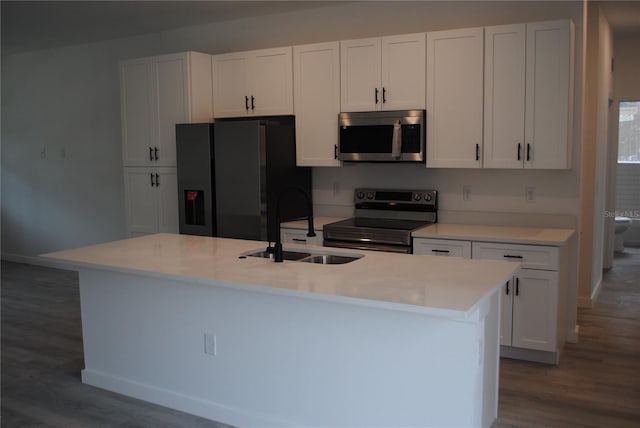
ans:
(597, 383)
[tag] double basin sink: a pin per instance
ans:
(322, 258)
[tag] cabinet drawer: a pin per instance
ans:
(442, 247)
(299, 236)
(531, 256)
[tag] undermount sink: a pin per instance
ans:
(329, 259)
(286, 255)
(321, 258)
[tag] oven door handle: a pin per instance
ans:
(367, 246)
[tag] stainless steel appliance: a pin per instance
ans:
(231, 173)
(382, 136)
(384, 220)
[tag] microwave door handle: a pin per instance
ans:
(396, 142)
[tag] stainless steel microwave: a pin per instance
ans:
(382, 136)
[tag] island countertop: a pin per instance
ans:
(448, 287)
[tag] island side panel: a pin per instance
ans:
(284, 360)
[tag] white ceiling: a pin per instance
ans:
(32, 25)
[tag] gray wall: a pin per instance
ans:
(68, 99)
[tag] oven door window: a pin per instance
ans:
(378, 139)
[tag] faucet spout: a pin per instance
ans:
(277, 256)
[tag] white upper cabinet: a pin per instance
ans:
(156, 94)
(252, 83)
(383, 73)
(549, 95)
(455, 61)
(528, 92)
(504, 91)
(316, 82)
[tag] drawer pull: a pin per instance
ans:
(298, 240)
(441, 251)
(509, 256)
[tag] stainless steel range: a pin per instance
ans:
(384, 220)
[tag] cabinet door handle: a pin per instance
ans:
(528, 152)
(509, 256)
(157, 180)
(155, 152)
(376, 95)
(441, 251)
(508, 287)
(246, 103)
(151, 153)
(517, 286)
(152, 183)
(335, 151)
(298, 240)
(477, 152)
(519, 150)
(253, 99)
(384, 95)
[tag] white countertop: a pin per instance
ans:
(449, 287)
(506, 234)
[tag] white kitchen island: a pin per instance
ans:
(386, 340)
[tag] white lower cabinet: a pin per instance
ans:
(299, 236)
(151, 200)
(442, 247)
(530, 300)
(530, 310)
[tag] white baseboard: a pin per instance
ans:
(30, 260)
(572, 335)
(184, 403)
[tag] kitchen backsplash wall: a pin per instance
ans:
(491, 191)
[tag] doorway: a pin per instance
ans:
(627, 178)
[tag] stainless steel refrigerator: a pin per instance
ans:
(232, 173)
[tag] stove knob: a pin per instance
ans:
(427, 197)
(360, 195)
(417, 197)
(370, 195)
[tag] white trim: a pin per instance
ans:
(30, 260)
(195, 406)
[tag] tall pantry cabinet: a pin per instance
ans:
(156, 93)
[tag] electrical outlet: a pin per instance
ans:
(530, 193)
(466, 192)
(210, 344)
(43, 152)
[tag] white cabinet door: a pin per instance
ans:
(316, 78)
(167, 200)
(151, 200)
(506, 313)
(504, 96)
(271, 82)
(442, 247)
(549, 94)
(141, 207)
(136, 98)
(253, 83)
(403, 72)
(230, 91)
(535, 310)
(360, 75)
(454, 98)
(171, 95)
